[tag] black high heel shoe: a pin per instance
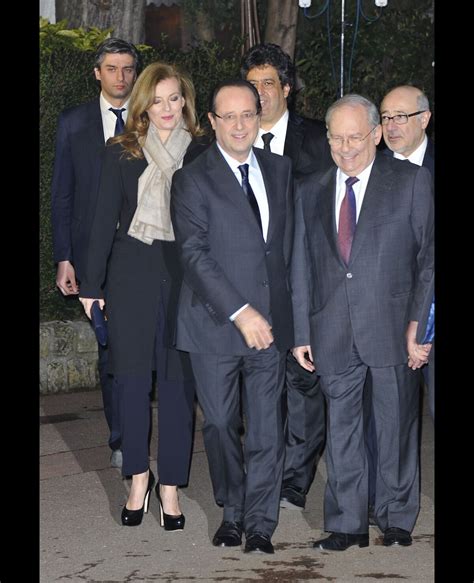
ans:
(134, 517)
(169, 521)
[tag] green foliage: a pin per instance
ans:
(395, 49)
(56, 35)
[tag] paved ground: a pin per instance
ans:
(81, 537)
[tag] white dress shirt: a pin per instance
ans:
(258, 187)
(109, 119)
(277, 145)
(359, 189)
(417, 156)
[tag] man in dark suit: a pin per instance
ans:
(81, 136)
(232, 211)
(405, 115)
(362, 263)
(272, 72)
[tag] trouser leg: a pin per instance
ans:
(134, 405)
(263, 378)
(305, 425)
(109, 398)
(217, 387)
(396, 410)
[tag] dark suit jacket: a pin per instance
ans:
(370, 302)
(306, 144)
(79, 150)
(225, 259)
(138, 276)
(428, 159)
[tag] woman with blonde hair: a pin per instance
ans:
(132, 269)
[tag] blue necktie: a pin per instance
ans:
(347, 220)
(119, 124)
(244, 171)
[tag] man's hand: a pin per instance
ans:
(417, 353)
(66, 279)
(254, 328)
(87, 305)
(299, 352)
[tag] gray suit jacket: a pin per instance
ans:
(225, 259)
(370, 302)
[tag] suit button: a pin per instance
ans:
(267, 252)
(349, 275)
(265, 283)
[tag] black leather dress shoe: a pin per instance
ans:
(257, 542)
(396, 536)
(229, 534)
(292, 497)
(340, 541)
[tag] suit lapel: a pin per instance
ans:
(95, 129)
(294, 138)
(326, 209)
(226, 183)
(377, 193)
(270, 178)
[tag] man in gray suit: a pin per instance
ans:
(363, 259)
(405, 115)
(232, 212)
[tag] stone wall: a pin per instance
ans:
(68, 357)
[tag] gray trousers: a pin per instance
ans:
(252, 496)
(395, 400)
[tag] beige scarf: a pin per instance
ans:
(152, 219)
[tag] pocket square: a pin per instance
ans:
(99, 323)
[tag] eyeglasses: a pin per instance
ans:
(352, 141)
(400, 118)
(231, 118)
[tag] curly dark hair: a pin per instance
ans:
(270, 54)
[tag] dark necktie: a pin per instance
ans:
(347, 220)
(244, 170)
(119, 124)
(267, 138)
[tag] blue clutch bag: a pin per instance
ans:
(99, 323)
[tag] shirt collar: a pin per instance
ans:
(417, 156)
(279, 129)
(105, 105)
(234, 164)
(362, 176)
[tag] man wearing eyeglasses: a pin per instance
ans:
(362, 262)
(232, 212)
(272, 72)
(405, 114)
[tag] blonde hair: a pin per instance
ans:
(142, 98)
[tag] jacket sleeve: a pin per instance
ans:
(300, 284)
(422, 223)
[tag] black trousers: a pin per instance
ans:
(109, 398)
(175, 417)
(305, 424)
(252, 496)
